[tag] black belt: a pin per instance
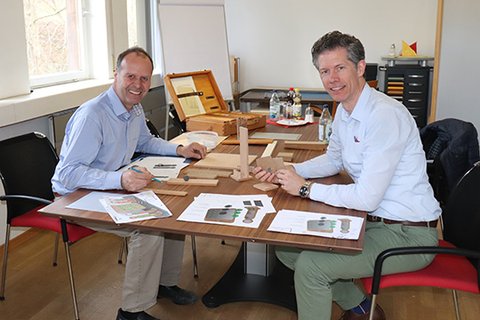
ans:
(431, 224)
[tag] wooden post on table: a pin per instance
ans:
(243, 174)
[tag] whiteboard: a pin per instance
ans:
(194, 38)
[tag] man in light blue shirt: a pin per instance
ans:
(102, 136)
(376, 141)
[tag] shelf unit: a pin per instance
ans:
(410, 84)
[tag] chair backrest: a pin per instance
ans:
(27, 164)
(461, 216)
(453, 145)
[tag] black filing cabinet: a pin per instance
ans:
(410, 85)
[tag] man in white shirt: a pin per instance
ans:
(375, 140)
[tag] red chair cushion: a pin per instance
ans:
(34, 219)
(445, 271)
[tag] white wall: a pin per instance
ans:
(459, 67)
(273, 38)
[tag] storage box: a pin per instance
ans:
(199, 102)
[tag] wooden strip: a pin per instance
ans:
(218, 173)
(305, 145)
(168, 192)
(250, 141)
(193, 182)
(269, 149)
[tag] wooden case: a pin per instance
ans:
(199, 102)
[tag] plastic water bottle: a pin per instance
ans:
(274, 106)
(325, 125)
(308, 114)
(297, 104)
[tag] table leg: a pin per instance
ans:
(236, 285)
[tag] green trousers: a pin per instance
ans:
(324, 277)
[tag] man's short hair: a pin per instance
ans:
(138, 50)
(334, 40)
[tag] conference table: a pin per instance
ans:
(238, 283)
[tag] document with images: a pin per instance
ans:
(236, 210)
(135, 207)
(317, 224)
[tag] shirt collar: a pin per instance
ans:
(360, 112)
(119, 109)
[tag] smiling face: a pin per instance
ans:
(132, 80)
(340, 77)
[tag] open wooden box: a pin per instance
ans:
(199, 102)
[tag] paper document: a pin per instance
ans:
(162, 168)
(191, 104)
(236, 210)
(317, 224)
(135, 207)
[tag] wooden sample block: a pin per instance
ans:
(193, 182)
(265, 186)
(270, 164)
(269, 149)
(222, 161)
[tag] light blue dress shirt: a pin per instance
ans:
(100, 137)
(379, 146)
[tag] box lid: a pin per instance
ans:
(194, 93)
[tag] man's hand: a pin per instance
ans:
(136, 180)
(290, 181)
(193, 150)
(264, 175)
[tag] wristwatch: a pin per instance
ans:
(305, 189)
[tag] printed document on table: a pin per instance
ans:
(135, 207)
(162, 168)
(235, 210)
(317, 224)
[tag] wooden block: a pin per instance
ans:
(193, 182)
(265, 186)
(168, 192)
(306, 145)
(270, 164)
(286, 156)
(222, 161)
(203, 174)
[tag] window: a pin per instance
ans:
(55, 41)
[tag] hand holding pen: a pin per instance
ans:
(136, 178)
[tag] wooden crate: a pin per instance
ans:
(199, 102)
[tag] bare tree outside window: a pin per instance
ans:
(53, 33)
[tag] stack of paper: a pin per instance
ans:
(162, 168)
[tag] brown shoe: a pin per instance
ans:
(378, 314)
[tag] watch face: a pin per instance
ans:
(303, 191)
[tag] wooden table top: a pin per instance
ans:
(281, 200)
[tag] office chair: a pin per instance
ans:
(124, 244)
(456, 265)
(26, 166)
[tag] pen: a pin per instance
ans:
(138, 171)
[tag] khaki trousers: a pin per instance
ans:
(153, 259)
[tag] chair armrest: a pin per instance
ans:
(24, 197)
(377, 271)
